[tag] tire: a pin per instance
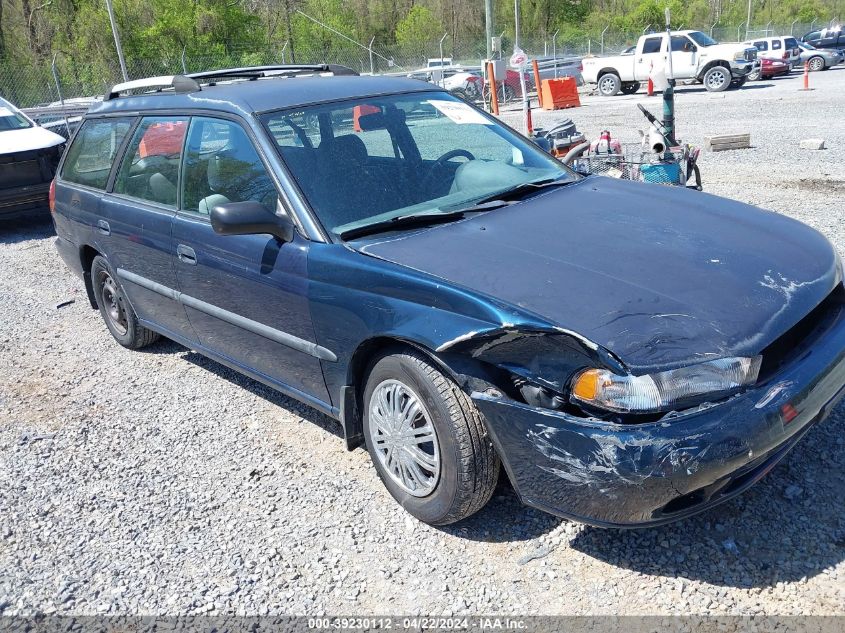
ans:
(630, 88)
(467, 467)
(717, 79)
(816, 63)
(609, 85)
(755, 75)
(739, 83)
(119, 316)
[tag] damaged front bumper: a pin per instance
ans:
(639, 475)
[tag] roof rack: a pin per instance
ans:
(279, 70)
(191, 83)
(179, 84)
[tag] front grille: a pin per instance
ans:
(795, 341)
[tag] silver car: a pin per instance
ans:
(820, 58)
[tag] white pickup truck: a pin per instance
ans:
(694, 56)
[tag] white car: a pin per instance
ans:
(28, 158)
(783, 48)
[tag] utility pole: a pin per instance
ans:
(748, 21)
(117, 41)
(488, 26)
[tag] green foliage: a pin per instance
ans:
(418, 27)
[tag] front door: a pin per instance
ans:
(246, 295)
(684, 57)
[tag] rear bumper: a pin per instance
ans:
(613, 475)
(19, 200)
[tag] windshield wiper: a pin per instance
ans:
(516, 192)
(401, 222)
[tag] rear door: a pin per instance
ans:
(246, 295)
(135, 222)
(649, 56)
(84, 178)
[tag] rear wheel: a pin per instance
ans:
(755, 74)
(609, 85)
(119, 316)
(739, 83)
(815, 64)
(427, 440)
(717, 79)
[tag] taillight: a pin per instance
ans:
(52, 197)
(785, 55)
(581, 67)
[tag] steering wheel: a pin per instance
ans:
(455, 153)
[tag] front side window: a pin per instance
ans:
(221, 166)
(90, 156)
(761, 45)
(681, 43)
(386, 157)
(150, 167)
(652, 45)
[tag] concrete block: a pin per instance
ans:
(812, 143)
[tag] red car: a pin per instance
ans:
(770, 68)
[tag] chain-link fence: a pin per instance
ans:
(30, 85)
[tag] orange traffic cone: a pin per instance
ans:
(650, 81)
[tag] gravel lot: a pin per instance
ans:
(158, 482)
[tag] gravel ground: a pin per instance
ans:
(158, 482)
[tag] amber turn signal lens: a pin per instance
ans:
(586, 386)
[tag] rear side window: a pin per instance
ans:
(90, 156)
(776, 45)
(150, 167)
(652, 45)
(222, 165)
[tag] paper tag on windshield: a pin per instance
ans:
(460, 113)
(5, 112)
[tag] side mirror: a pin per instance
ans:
(250, 218)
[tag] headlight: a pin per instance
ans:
(666, 390)
(740, 56)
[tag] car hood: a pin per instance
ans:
(28, 139)
(660, 276)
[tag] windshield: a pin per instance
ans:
(10, 119)
(701, 39)
(371, 160)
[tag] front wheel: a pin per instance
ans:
(717, 79)
(630, 88)
(119, 316)
(815, 64)
(427, 440)
(609, 85)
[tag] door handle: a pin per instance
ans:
(103, 227)
(186, 255)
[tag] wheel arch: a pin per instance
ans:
(713, 64)
(350, 404)
(86, 257)
(608, 70)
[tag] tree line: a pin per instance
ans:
(32, 31)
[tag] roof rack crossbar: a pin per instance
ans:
(272, 70)
(179, 84)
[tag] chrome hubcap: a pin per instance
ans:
(113, 304)
(716, 79)
(816, 64)
(403, 438)
(607, 85)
